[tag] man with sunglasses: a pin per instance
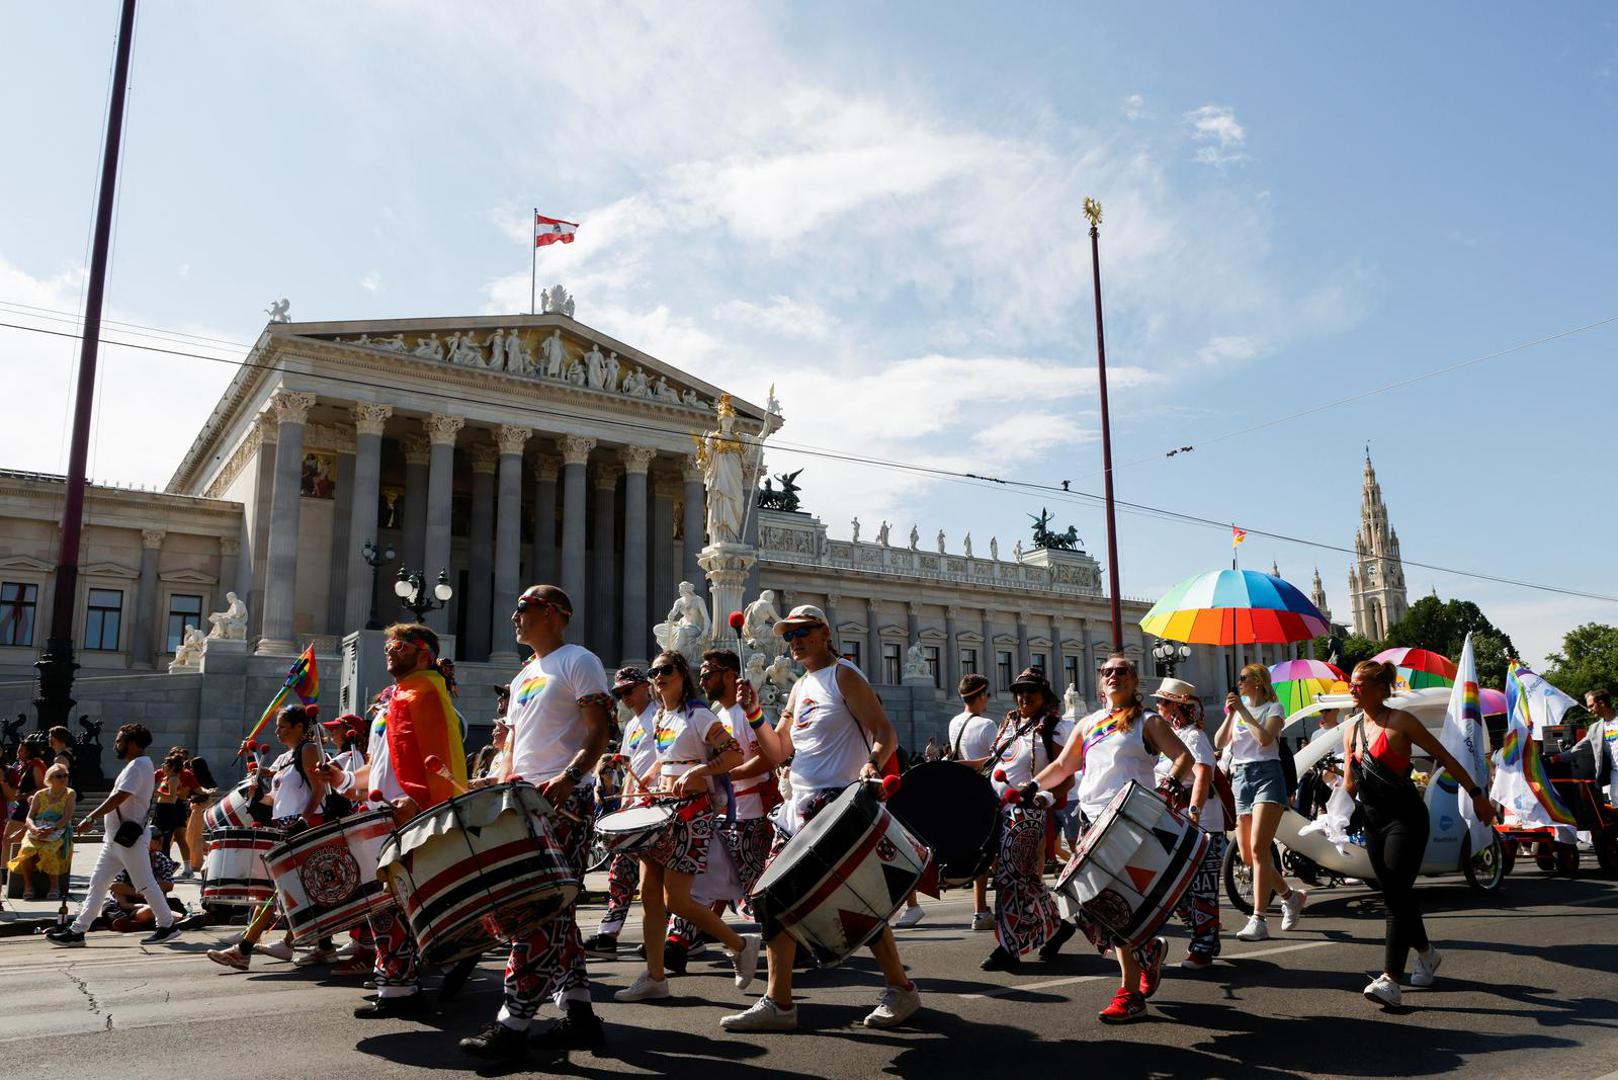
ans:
(971, 742)
(638, 753)
(835, 732)
(560, 713)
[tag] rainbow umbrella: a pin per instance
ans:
(1298, 681)
(1234, 607)
(1419, 668)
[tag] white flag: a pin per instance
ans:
(1466, 740)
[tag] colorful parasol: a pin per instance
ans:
(1492, 702)
(1419, 668)
(1234, 607)
(1298, 681)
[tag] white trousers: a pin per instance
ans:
(137, 859)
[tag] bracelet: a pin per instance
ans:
(872, 761)
(756, 719)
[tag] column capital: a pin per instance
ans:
(511, 438)
(1022, 619)
(545, 469)
(265, 427)
(485, 459)
(692, 472)
(833, 600)
(152, 539)
(665, 485)
(952, 612)
(441, 429)
(369, 417)
(230, 545)
(912, 607)
(637, 459)
(292, 406)
(605, 475)
(576, 449)
(416, 449)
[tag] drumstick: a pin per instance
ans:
(436, 766)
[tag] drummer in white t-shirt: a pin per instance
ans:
(971, 742)
(637, 756)
(1178, 703)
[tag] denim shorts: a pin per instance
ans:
(1254, 782)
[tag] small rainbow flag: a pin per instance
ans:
(1521, 685)
(303, 680)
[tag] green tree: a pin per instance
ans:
(1441, 626)
(1588, 659)
(1349, 649)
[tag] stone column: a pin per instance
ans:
(480, 553)
(874, 668)
(665, 486)
(368, 421)
(413, 521)
(1055, 673)
(342, 515)
(603, 580)
(281, 572)
(1024, 657)
(230, 568)
(543, 568)
(832, 602)
(441, 433)
(1087, 678)
(141, 651)
(694, 525)
(952, 650)
(637, 639)
(912, 624)
(509, 440)
(575, 453)
(258, 534)
(986, 658)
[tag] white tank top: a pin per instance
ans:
(749, 798)
(289, 795)
(1112, 758)
(828, 747)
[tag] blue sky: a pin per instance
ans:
(876, 208)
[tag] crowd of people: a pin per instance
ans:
(733, 790)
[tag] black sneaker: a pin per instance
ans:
(1048, 951)
(386, 1008)
(604, 946)
(497, 1043)
(66, 937)
(573, 1032)
(162, 934)
(1002, 959)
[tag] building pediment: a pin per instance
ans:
(109, 570)
(26, 563)
(188, 577)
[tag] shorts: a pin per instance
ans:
(1255, 782)
(170, 818)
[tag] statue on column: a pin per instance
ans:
(968, 545)
(1072, 703)
(188, 657)
(941, 541)
(916, 664)
(915, 537)
(856, 524)
(883, 532)
(230, 624)
(686, 630)
(719, 455)
(758, 625)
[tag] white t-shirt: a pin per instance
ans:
(1024, 757)
(748, 792)
(289, 795)
(977, 740)
(682, 742)
(1244, 745)
(139, 780)
(381, 761)
(547, 725)
(1196, 740)
(638, 745)
(1112, 758)
(828, 747)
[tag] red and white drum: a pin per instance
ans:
(326, 877)
(231, 811)
(1133, 865)
(841, 877)
(480, 866)
(233, 872)
(634, 828)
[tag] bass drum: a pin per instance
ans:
(952, 809)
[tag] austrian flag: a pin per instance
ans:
(550, 230)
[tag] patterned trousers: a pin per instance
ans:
(549, 962)
(1199, 907)
(394, 970)
(623, 874)
(748, 843)
(1025, 911)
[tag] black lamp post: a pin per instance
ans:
(376, 558)
(411, 589)
(1170, 655)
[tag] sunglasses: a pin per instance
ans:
(1116, 672)
(533, 603)
(798, 632)
(661, 671)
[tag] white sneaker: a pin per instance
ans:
(894, 1007)
(1426, 966)
(983, 920)
(1383, 991)
(746, 960)
(1292, 908)
(645, 988)
(1257, 929)
(276, 950)
(765, 1015)
(910, 917)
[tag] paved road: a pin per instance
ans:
(1529, 988)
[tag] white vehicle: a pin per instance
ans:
(1316, 860)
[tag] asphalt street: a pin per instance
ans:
(1528, 988)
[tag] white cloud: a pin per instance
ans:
(1223, 139)
(1134, 106)
(782, 315)
(1227, 349)
(371, 282)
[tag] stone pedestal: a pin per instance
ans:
(365, 670)
(727, 567)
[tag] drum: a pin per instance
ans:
(1133, 865)
(326, 877)
(233, 872)
(952, 809)
(232, 810)
(841, 877)
(481, 865)
(634, 828)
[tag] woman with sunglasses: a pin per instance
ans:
(1252, 730)
(1199, 908)
(1117, 743)
(693, 747)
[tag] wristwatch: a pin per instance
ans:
(574, 773)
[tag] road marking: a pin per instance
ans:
(1003, 991)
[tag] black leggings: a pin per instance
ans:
(1396, 841)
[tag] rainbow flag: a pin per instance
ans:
(303, 680)
(1464, 737)
(1101, 730)
(422, 723)
(1521, 784)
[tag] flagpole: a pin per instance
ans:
(1092, 210)
(1234, 546)
(533, 259)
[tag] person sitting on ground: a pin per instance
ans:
(47, 846)
(126, 911)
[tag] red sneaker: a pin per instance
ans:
(1151, 965)
(1127, 1005)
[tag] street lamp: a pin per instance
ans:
(411, 589)
(375, 558)
(1170, 655)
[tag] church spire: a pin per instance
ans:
(1376, 581)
